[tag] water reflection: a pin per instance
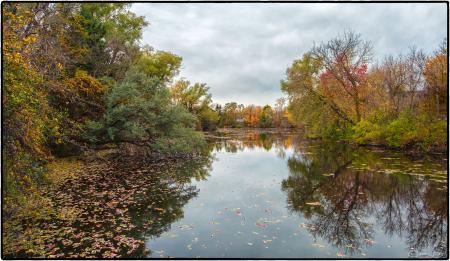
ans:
(121, 203)
(164, 196)
(344, 192)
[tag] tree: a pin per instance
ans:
(279, 111)
(25, 107)
(197, 100)
(112, 34)
(230, 111)
(139, 112)
(345, 62)
(160, 64)
(192, 97)
(393, 81)
(436, 77)
(266, 119)
(415, 65)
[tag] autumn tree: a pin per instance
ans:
(344, 60)
(436, 77)
(24, 104)
(308, 103)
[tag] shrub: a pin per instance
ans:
(366, 132)
(401, 131)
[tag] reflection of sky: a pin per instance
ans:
(251, 181)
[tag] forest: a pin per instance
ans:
(77, 78)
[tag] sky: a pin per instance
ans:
(242, 50)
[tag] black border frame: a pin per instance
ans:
(228, 2)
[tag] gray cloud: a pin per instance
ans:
(242, 50)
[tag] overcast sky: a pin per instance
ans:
(242, 50)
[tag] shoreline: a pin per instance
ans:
(409, 150)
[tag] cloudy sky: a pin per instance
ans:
(242, 50)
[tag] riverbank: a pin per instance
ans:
(412, 149)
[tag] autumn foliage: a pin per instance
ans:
(336, 91)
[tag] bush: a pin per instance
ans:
(402, 131)
(365, 132)
(432, 133)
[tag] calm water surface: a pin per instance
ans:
(275, 195)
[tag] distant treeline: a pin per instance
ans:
(336, 91)
(235, 116)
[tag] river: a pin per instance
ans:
(276, 195)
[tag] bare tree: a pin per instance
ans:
(415, 65)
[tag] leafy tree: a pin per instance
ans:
(196, 99)
(112, 35)
(24, 103)
(209, 118)
(308, 104)
(160, 64)
(139, 111)
(266, 119)
(230, 112)
(345, 62)
(436, 77)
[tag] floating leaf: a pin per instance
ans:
(340, 254)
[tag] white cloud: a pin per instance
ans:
(242, 50)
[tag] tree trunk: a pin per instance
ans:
(357, 108)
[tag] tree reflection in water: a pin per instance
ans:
(164, 193)
(358, 189)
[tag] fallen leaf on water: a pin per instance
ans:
(185, 227)
(261, 225)
(317, 203)
(369, 241)
(340, 254)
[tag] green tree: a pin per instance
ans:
(111, 37)
(230, 114)
(197, 100)
(160, 64)
(267, 115)
(139, 111)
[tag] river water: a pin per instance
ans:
(276, 195)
